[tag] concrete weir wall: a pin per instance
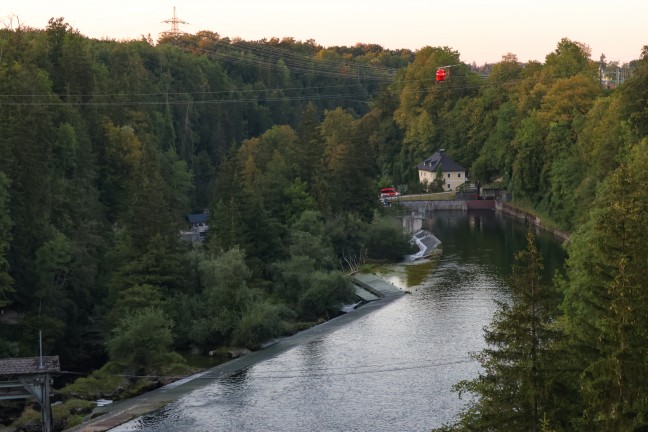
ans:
(421, 207)
(426, 207)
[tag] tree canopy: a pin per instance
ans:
(106, 146)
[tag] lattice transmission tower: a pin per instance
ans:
(174, 21)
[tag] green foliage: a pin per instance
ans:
(29, 417)
(105, 146)
(72, 411)
(570, 58)
(438, 182)
(102, 383)
(52, 267)
(297, 201)
(513, 391)
(386, 240)
(142, 341)
(292, 277)
(133, 299)
(260, 323)
(525, 172)
(605, 301)
(227, 296)
(633, 96)
(226, 281)
(348, 234)
(6, 281)
(325, 295)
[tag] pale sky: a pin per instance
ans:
(481, 30)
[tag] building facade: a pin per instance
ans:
(453, 174)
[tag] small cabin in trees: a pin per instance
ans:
(197, 227)
(453, 174)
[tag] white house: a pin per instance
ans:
(454, 175)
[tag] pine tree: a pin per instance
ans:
(511, 391)
(606, 300)
(6, 280)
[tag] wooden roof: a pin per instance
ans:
(29, 365)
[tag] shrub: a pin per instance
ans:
(386, 240)
(100, 384)
(142, 341)
(262, 321)
(327, 293)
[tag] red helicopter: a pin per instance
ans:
(441, 73)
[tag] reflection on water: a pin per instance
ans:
(392, 370)
(409, 276)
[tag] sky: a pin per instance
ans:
(481, 31)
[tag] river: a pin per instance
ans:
(391, 370)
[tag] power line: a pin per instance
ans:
(322, 372)
(294, 58)
(258, 95)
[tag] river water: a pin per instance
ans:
(391, 370)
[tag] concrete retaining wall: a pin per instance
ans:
(530, 218)
(481, 204)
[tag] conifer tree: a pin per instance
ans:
(6, 280)
(511, 390)
(606, 300)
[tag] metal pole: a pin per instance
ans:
(40, 344)
(46, 408)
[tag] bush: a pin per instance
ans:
(142, 341)
(72, 411)
(29, 417)
(327, 293)
(262, 321)
(387, 241)
(101, 384)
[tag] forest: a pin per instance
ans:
(107, 146)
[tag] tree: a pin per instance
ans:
(52, 270)
(327, 293)
(122, 154)
(261, 322)
(568, 59)
(512, 393)
(6, 281)
(226, 294)
(633, 95)
(606, 302)
(438, 182)
(528, 146)
(309, 149)
(386, 240)
(142, 342)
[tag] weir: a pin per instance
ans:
(427, 207)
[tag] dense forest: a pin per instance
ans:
(106, 146)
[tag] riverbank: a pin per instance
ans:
(422, 207)
(512, 210)
(113, 415)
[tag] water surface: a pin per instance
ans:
(392, 370)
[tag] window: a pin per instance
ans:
(459, 175)
(448, 186)
(448, 175)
